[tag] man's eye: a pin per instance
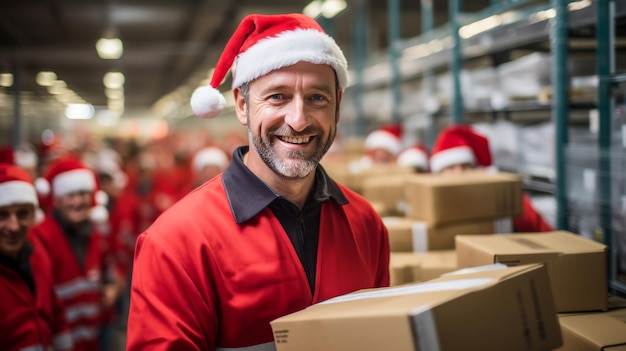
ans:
(277, 96)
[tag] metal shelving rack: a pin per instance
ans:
(520, 29)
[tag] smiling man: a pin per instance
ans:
(273, 233)
(84, 278)
(31, 315)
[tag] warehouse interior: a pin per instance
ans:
(543, 80)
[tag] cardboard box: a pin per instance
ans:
(594, 331)
(436, 263)
(508, 308)
(411, 267)
(577, 265)
(404, 267)
(448, 198)
(406, 234)
(359, 175)
(387, 191)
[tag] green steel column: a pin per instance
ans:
(558, 46)
(359, 40)
(326, 24)
(456, 61)
(604, 58)
(393, 10)
(16, 137)
(427, 13)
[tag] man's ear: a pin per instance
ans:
(241, 108)
(339, 96)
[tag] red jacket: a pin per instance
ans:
(530, 220)
(30, 320)
(201, 281)
(79, 288)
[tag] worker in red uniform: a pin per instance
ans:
(31, 315)
(273, 233)
(83, 278)
(459, 148)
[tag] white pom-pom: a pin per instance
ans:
(101, 198)
(40, 215)
(207, 102)
(42, 186)
(99, 213)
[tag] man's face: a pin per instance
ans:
(380, 155)
(74, 207)
(458, 168)
(292, 115)
(15, 220)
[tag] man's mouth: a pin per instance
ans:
(295, 140)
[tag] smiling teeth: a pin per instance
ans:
(296, 140)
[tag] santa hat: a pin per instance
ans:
(262, 44)
(70, 175)
(388, 137)
(459, 144)
(415, 156)
(16, 187)
(7, 155)
(209, 156)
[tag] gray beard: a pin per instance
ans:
(299, 164)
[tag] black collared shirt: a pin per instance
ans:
(248, 195)
(21, 265)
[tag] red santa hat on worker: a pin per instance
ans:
(70, 175)
(16, 186)
(262, 44)
(209, 156)
(415, 156)
(388, 137)
(460, 144)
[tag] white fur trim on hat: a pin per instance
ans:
(209, 157)
(207, 102)
(413, 158)
(287, 49)
(380, 139)
(17, 192)
(73, 181)
(450, 157)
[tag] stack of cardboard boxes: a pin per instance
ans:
(424, 213)
(457, 286)
(577, 268)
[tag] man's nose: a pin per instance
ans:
(297, 117)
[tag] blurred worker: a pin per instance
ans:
(31, 315)
(83, 278)
(273, 233)
(459, 148)
(416, 157)
(207, 163)
(384, 144)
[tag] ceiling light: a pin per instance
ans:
(113, 80)
(57, 87)
(114, 93)
(46, 78)
(326, 8)
(110, 47)
(331, 8)
(79, 111)
(6, 80)
(313, 9)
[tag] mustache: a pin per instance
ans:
(288, 131)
